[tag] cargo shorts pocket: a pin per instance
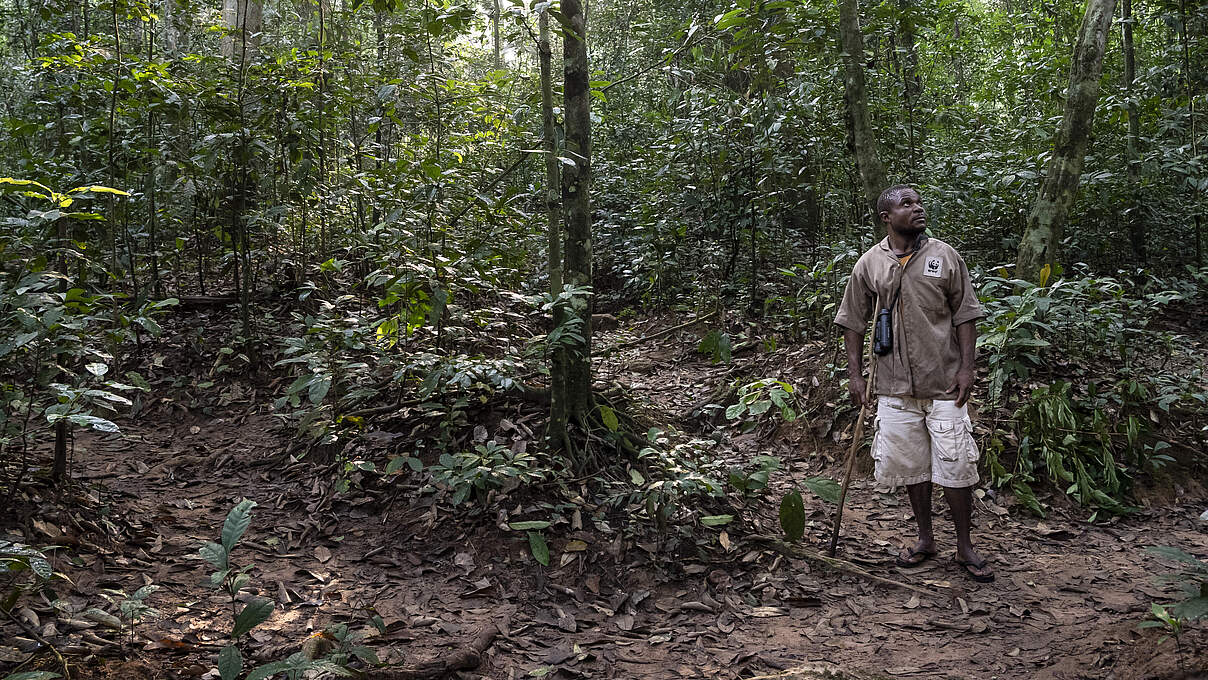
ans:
(874, 449)
(952, 440)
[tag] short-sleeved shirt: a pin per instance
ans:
(937, 296)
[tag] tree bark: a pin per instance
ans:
(1049, 214)
(495, 30)
(1192, 135)
(868, 159)
(573, 405)
(245, 21)
(553, 209)
(911, 82)
(1136, 225)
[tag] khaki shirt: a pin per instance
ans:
(937, 296)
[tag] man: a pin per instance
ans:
(922, 432)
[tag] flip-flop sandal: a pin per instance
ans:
(911, 562)
(968, 567)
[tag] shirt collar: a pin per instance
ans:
(919, 245)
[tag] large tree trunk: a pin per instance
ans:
(573, 405)
(1136, 225)
(245, 20)
(868, 160)
(1049, 213)
(553, 208)
(912, 83)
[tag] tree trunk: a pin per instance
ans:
(1136, 225)
(553, 208)
(868, 160)
(1049, 213)
(573, 406)
(495, 29)
(244, 20)
(912, 84)
(1194, 138)
(553, 205)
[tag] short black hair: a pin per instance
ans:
(890, 196)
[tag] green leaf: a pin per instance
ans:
(216, 555)
(534, 525)
(296, 664)
(319, 389)
(1193, 609)
(538, 547)
(826, 489)
(254, 613)
(395, 464)
(98, 189)
(792, 516)
(1174, 554)
(609, 418)
(98, 424)
(230, 663)
(716, 520)
(236, 523)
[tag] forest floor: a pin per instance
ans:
(619, 600)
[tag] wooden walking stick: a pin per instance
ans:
(856, 440)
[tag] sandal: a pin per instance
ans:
(910, 560)
(969, 569)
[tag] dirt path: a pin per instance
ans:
(1065, 603)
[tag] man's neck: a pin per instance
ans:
(902, 244)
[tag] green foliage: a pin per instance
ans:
(1091, 437)
(792, 516)
(24, 570)
(1192, 579)
(538, 547)
(717, 345)
(826, 489)
(232, 579)
(756, 398)
(133, 608)
(757, 480)
(488, 467)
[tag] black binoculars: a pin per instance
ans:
(882, 333)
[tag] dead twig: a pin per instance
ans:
(654, 336)
(34, 634)
(841, 565)
(464, 659)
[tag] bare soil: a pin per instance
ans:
(618, 600)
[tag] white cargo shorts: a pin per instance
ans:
(923, 440)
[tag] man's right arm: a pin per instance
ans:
(854, 311)
(853, 342)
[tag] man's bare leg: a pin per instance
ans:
(920, 503)
(961, 502)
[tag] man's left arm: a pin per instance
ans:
(962, 300)
(966, 341)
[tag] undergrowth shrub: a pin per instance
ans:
(1088, 380)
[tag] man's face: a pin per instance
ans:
(906, 216)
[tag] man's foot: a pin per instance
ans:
(975, 566)
(913, 557)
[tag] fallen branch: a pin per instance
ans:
(464, 659)
(34, 634)
(836, 563)
(654, 336)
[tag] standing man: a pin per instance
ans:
(924, 374)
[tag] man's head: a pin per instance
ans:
(901, 209)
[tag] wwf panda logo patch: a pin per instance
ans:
(934, 267)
